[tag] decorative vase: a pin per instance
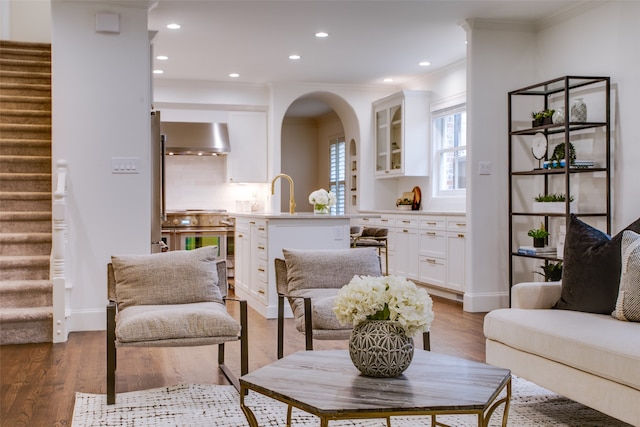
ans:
(321, 209)
(538, 242)
(579, 111)
(380, 348)
(558, 116)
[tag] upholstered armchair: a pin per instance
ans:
(171, 299)
(310, 280)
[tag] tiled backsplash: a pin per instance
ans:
(200, 182)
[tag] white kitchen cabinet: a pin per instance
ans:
(269, 234)
(456, 253)
(259, 261)
(433, 250)
(401, 125)
(242, 258)
(247, 160)
(406, 245)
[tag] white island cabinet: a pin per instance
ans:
(260, 238)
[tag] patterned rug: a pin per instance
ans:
(219, 405)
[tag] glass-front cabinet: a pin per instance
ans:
(402, 134)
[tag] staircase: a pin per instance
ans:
(26, 312)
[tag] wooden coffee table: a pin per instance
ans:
(327, 385)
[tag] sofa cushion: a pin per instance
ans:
(176, 277)
(594, 343)
(328, 268)
(628, 304)
(591, 272)
(177, 321)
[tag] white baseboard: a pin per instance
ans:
(87, 320)
(484, 302)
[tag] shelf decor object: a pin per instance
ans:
(561, 174)
(579, 111)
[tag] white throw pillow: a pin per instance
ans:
(628, 304)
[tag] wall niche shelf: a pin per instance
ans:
(589, 186)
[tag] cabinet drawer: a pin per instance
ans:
(433, 243)
(433, 223)
(262, 272)
(405, 221)
(456, 224)
(385, 221)
(260, 292)
(261, 227)
(433, 270)
(261, 249)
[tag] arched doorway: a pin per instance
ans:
(310, 125)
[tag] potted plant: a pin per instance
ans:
(539, 236)
(537, 117)
(552, 203)
(552, 272)
(404, 203)
(547, 117)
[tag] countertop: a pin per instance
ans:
(297, 215)
(410, 212)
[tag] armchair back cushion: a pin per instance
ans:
(328, 268)
(176, 277)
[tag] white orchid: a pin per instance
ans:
(385, 298)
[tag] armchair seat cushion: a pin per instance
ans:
(322, 314)
(175, 321)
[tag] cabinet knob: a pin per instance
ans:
(461, 236)
(430, 233)
(261, 292)
(261, 269)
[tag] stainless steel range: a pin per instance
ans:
(191, 229)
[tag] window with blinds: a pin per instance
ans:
(337, 174)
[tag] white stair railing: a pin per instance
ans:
(58, 253)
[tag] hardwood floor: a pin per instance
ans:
(39, 381)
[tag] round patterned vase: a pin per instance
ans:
(579, 111)
(320, 209)
(380, 348)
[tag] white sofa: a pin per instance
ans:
(593, 359)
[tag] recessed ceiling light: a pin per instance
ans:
(158, 71)
(234, 75)
(162, 57)
(388, 80)
(424, 63)
(294, 56)
(173, 26)
(322, 34)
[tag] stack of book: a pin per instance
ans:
(583, 164)
(530, 250)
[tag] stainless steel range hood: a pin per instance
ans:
(196, 139)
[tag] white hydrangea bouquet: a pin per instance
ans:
(385, 298)
(322, 199)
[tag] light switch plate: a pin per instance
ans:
(484, 168)
(125, 165)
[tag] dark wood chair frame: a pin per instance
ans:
(112, 308)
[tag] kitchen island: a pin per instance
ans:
(259, 240)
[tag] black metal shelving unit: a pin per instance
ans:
(558, 92)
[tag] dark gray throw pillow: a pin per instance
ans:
(591, 271)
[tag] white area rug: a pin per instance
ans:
(219, 405)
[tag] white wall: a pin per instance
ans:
(601, 40)
(299, 161)
(608, 48)
(25, 20)
(101, 104)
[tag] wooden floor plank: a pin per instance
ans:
(39, 381)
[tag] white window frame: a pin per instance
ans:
(338, 178)
(440, 109)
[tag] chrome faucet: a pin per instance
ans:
(292, 203)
